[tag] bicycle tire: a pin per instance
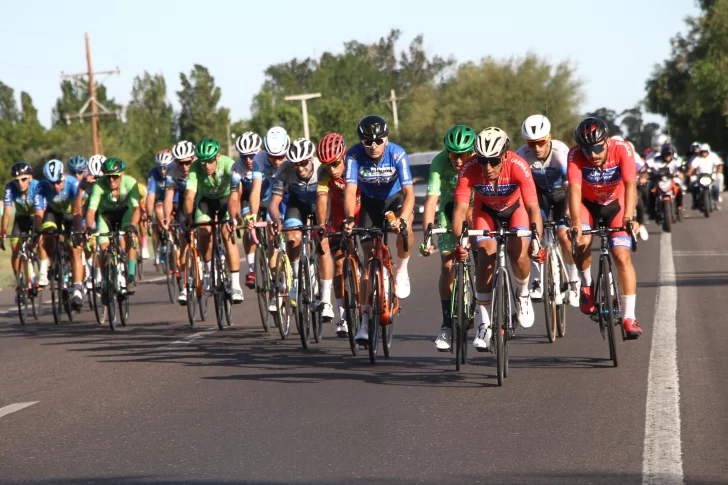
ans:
(459, 322)
(606, 309)
(262, 285)
(22, 295)
(282, 316)
(561, 309)
(217, 296)
(499, 326)
(549, 295)
(227, 296)
(56, 295)
(36, 296)
(303, 302)
(139, 269)
(123, 300)
(316, 319)
(68, 294)
(170, 276)
(99, 308)
(190, 283)
(374, 313)
(388, 330)
(351, 303)
(110, 284)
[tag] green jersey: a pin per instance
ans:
(443, 178)
(102, 199)
(215, 186)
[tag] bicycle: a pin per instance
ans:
(28, 291)
(59, 276)
(555, 284)
(99, 308)
(383, 304)
(169, 260)
(261, 269)
(219, 275)
(607, 301)
(196, 297)
(352, 275)
(114, 290)
(280, 287)
(308, 302)
(462, 300)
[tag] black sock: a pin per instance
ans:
(446, 321)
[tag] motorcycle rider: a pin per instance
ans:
(707, 162)
(668, 160)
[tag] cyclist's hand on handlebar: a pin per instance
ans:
(427, 250)
(575, 231)
(249, 221)
(461, 252)
(348, 225)
(537, 251)
(232, 225)
(165, 224)
(627, 221)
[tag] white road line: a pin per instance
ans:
(699, 253)
(15, 407)
(190, 338)
(662, 456)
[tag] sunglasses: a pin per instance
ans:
(58, 182)
(537, 143)
(371, 143)
(334, 164)
(492, 161)
(587, 150)
(279, 158)
(113, 176)
(22, 180)
(303, 163)
(184, 164)
(208, 162)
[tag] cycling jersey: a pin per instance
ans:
(381, 180)
(264, 169)
(514, 183)
(208, 187)
(707, 164)
(288, 181)
(157, 183)
(602, 185)
(102, 198)
(24, 203)
(548, 175)
(246, 179)
(58, 202)
(335, 188)
(177, 182)
(443, 178)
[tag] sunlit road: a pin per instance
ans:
(159, 402)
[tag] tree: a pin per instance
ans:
(636, 130)
(610, 117)
(199, 114)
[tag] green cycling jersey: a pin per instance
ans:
(215, 186)
(102, 198)
(443, 178)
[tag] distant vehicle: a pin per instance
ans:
(420, 168)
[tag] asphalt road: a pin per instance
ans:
(161, 402)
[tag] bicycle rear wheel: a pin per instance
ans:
(549, 296)
(499, 323)
(56, 294)
(606, 311)
(374, 313)
(262, 285)
(316, 320)
(351, 302)
(303, 304)
(171, 274)
(36, 295)
(561, 309)
(388, 330)
(110, 285)
(282, 316)
(190, 283)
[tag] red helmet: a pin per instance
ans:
(331, 148)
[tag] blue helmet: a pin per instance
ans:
(53, 170)
(77, 164)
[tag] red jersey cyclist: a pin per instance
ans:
(504, 191)
(602, 185)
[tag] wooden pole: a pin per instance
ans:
(95, 135)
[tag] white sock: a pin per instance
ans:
(586, 279)
(235, 279)
(628, 304)
(483, 302)
(522, 286)
(294, 267)
(402, 265)
(340, 304)
(208, 267)
(251, 262)
(536, 269)
(43, 265)
(326, 291)
(573, 272)
(364, 315)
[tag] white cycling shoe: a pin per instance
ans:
(444, 337)
(182, 298)
(481, 342)
(362, 336)
(573, 293)
(342, 329)
(402, 284)
(536, 292)
(327, 312)
(524, 309)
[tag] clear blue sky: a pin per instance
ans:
(613, 43)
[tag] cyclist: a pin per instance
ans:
(248, 145)
(115, 202)
(380, 170)
(298, 176)
(77, 167)
(212, 190)
(602, 183)
(459, 148)
(157, 182)
(504, 192)
(184, 155)
(706, 162)
(142, 227)
(80, 204)
(54, 211)
(331, 152)
(19, 193)
(548, 160)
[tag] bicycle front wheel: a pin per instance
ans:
(459, 321)
(36, 295)
(606, 309)
(99, 308)
(110, 285)
(375, 312)
(549, 296)
(171, 274)
(262, 285)
(56, 294)
(351, 302)
(388, 330)
(499, 324)
(123, 299)
(303, 302)
(561, 309)
(22, 292)
(282, 316)
(316, 320)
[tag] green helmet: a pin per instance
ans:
(113, 165)
(207, 149)
(460, 139)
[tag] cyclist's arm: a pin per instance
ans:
(135, 204)
(459, 215)
(463, 193)
(168, 204)
(350, 199)
(189, 206)
(254, 199)
(150, 201)
(77, 210)
(629, 176)
(7, 210)
(274, 208)
(530, 198)
(405, 179)
(39, 219)
(39, 204)
(433, 194)
(574, 194)
(93, 203)
(322, 205)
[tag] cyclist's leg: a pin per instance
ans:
(484, 276)
(371, 214)
(621, 244)
(536, 278)
(521, 267)
(232, 253)
(46, 245)
(296, 215)
(446, 244)
(401, 272)
(20, 225)
(122, 219)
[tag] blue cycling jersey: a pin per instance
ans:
(263, 169)
(59, 202)
(24, 203)
(247, 175)
(378, 181)
(157, 183)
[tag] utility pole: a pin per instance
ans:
(95, 105)
(392, 101)
(303, 98)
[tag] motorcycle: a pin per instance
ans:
(664, 191)
(705, 200)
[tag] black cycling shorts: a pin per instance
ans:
(21, 224)
(207, 209)
(553, 205)
(62, 222)
(298, 212)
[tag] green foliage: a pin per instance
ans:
(199, 114)
(691, 87)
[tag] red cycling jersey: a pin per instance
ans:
(334, 187)
(605, 184)
(515, 182)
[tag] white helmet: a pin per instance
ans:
(300, 150)
(248, 143)
(164, 158)
(94, 165)
(276, 141)
(704, 147)
(659, 140)
(183, 149)
(492, 142)
(53, 170)
(536, 127)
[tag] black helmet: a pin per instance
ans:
(667, 149)
(372, 127)
(20, 168)
(591, 131)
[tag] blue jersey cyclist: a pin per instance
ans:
(380, 169)
(158, 180)
(19, 194)
(265, 170)
(54, 201)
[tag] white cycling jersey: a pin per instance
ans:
(549, 175)
(656, 163)
(707, 164)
